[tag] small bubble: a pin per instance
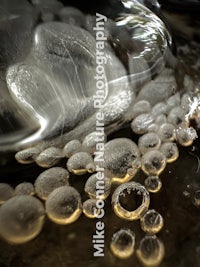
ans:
(63, 205)
(141, 123)
(170, 150)
(149, 141)
(21, 219)
(90, 209)
(81, 163)
(49, 157)
(153, 184)
(72, 147)
(49, 180)
(25, 189)
(6, 192)
(140, 107)
(153, 162)
(158, 109)
(186, 136)
(123, 243)
(166, 132)
(151, 251)
(90, 141)
(98, 188)
(176, 116)
(27, 156)
(151, 222)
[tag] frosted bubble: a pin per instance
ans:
(90, 141)
(161, 119)
(186, 136)
(73, 147)
(170, 150)
(123, 243)
(133, 190)
(196, 198)
(139, 108)
(25, 189)
(27, 156)
(63, 205)
(167, 132)
(90, 208)
(173, 101)
(153, 184)
(176, 116)
(158, 109)
(71, 15)
(49, 157)
(98, 187)
(6, 192)
(49, 180)
(21, 219)
(149, 141)
(153, 162)
(120, 155)
(151, 222)
(141, 123)
(80, 163)
(151, 251)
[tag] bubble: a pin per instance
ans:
(158, 109)
(126, 190)
(166, 132)
(170, 150)
(6, 192)
(49, 180)
(153, 162)
(151, 222)
(73, 147)
(139, 108)
(27, 156)
(120, 155)
(151, 251)
(98, 186)
(173, 101)
(49, 157)
(90, 141)
(71, 15)
(176, 116)
(80, 163)
(25, 189)
(141, 123)
(63, 205)
(153, 184)
(186, 136)
(196, 198)
(185, 102)
(123, 243)
(21, 219)
(161, 119)
(90, 209)
(148, 142)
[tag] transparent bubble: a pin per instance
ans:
(49, 157)
(49, 180)
(21, 219)
(186, 136)
(153, 162)
(80, 163)
(90, 141)
(141, 123)
(90, 208)
(25, 189)
(153, 184)
(72, 148)
(98, 186)
(166, 132)
(176, 116)
(131, 192)
(158, 109)
(196, 198)
(123, 243)
(27, 156)
(63, 205)
(170, 150)
(6, 192)
(151, 251)
(148, 142)
(151, 222)
(139, 108)
(120, 155)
